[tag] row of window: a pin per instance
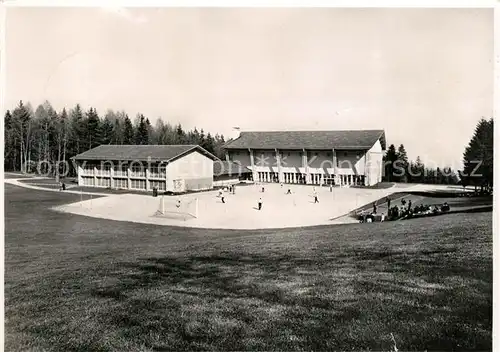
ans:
(290, 177)
(161, 185)
(352, 180)
(120, 183)
(103, 182)
(122, 170)
(88, 181)
(288, 154)
(138, 184)
(316, 179)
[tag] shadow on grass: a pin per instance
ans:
(281, 302)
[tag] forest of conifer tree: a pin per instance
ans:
(37, 139)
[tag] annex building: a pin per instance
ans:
(311, 157)
(175, 168)
(229, 173)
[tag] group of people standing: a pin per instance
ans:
(231, 189)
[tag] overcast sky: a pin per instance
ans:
(423, 75)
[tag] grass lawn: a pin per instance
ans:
(9, 175)
(77, 283)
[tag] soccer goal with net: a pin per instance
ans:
(177, 208)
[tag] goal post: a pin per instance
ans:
(177, 208)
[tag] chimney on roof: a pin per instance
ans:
(235, 133)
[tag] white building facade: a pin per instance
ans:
(173, 168)
(311, 157)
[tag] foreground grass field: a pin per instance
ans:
(77, 283)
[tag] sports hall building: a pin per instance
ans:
(311, 157)
(174, 168)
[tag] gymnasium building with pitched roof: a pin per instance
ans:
(311, 157)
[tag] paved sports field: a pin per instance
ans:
(279, 210)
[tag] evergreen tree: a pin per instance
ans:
(209, 143)
(180, 135)
(64, 132)
(10, 154)
(196, 137)
(76, 131)
(53, 133)
(106, 131)
(202, 139)
(221, 152)
(141, 132)
(93, 129)
(128, 131)
(23, 120)
(454, 179)
(478, 156)
(389, 160)
(41, 135)
(47, 135)
(150, 135)
(402, 164)
(419, 171)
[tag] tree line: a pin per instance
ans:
(36, 139)
(397, 168)
(477, 163)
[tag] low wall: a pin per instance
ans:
(197, 184)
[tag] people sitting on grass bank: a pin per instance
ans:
(405, 212)
(425, 210)
(402, 212)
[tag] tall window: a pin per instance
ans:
(120, 170)
(121, 183)
(158, 171)
(103, 182)
(161, 185)
(138, 184)
(88, 169)
(88, 181)
(137, 170)
(104, 170)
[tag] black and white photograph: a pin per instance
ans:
(265, 178)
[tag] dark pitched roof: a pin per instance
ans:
(140, 152)
(353, 139)
(228, 168)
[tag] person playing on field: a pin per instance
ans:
(331, 187)
(374, 207)
(222, 198)
(388, 200)
(316, 198)
(262, 189)
(178, 204)
(289, 191)
(260, 203)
